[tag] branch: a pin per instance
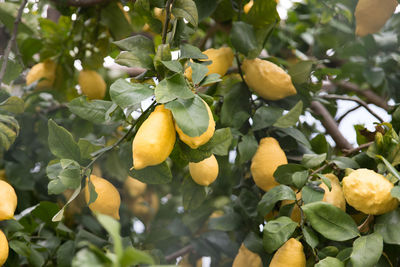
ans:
(357, 100)
(183, 251)
(12, 40)
(330, 125)
(83, 3)
(364, 226)
(354, 150)
(167, 19)
(347, 113)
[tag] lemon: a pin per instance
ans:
(92, 84)
(145, 207)
(268, 157)
(3, 175)
(369, 192)
(154, 140)
(371, 15)
(267, 79)
(221, 58)
(8, 201)
(134, 187)
(247, 258)
(196, 141)
(296, 213)
(108, 199)
(3, 248)
(46, 71)
(335, 196)
(291, 254)
(248, 6)
(204, 172)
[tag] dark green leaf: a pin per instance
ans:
(301, 71)
(71, 176)
(65, 253)
(56, 187)
(244, 39)
(94, 111)
(13, 69)
(13, 104)
(266, 116)
(269, 199)
(199, 71)
(190, 51)
(290, 118)
(193, 194)
(211, 79)
(343, 163)
(263, 13)
(247, 147)
(277, 232)
(158, 174)
(313, 160)
(171, 88)
(388, 226)
(330, 221)
(87, 148)
(300, 178)
(310, 236)
(367, 250)
(312, 193)
(173, 65)
(220, 142)
(61, 142)
(205, 8)
(135, 59)
(283, 174)
(132, 256)
(227, 222)
(235, 108)
(127, 95)
(186, 9)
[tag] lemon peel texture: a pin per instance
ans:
(92, 84)
(46, 71)
(3, 248)
(335, 196)
(8, 201)
(245, 257)
(291, 254)
(204, 172)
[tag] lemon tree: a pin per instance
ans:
(199, 132)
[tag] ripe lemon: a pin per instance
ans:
(196, 141)
(145, 207)
(108, 199)
(92, 84)
(46, 71)
(268, 157)
(134, 187)
(371, 15)
(369, 192)
(296, 213)
(335, 196)
(248, 6)
(154, 140)
(8, 201)
(3, 248)
(221, 58)
(247, 258)
(267, 79)
(291, 254)
(204, 172)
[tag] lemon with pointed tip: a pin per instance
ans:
(108, 199)
(369, 192)
(291, 254)
(3, 248)
(267, 80)
(245, 257)
(134, 187)
(45, 72)
(222, 59)
(334, 196)
(92, 84)
(268, 157)
(8, 201)
(154, 140)
(371, 15)
(204, 172)
(196, 141)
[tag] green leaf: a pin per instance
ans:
(53, 169)
(344, 162)
(61, 142)
(374, 76)
(71, 176)
(269, 199)
(56, 187)
(113, 17)
(310, 236)
(395, 192)
(13, 104)
(65, 253)
(296, 134)
(158, 174)
(92, 191)
(263, 13)
(220, 142)
(301, 72)
(129, 95)
(283, 174)
(390, 167)
(94, 111)
(173, 65)
(136, 43)
(9, 130)
(290, 118)
(211, 79)
(247, 147)
(190, 114)
(244, 40)
(186, 9)
(313, 160)
(132, 256)
(171, 88)
(135, 60)
(193, 195)
(205, 8)
(388, 226)
(277, 232)
(330, 262)
(300, 178)
(236, 107)
(312, 193)
(59, 215)
(266, 116)
(330, 221)
(199, 71)
(13, 69)
(87, 148)
(367, 250)
(227, 222)
(190, 51)
(113, 228)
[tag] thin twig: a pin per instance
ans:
(365, 224)
(347, 113)
(167, 19)
(183, 251)
(357, 100)
(348, 152)
(12, 40)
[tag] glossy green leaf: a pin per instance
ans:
(244, 40)
(388, 226)
(330, 262)
(61, 142)
(290, 118)
(367, 250)
(171, 88)
(313, 160)
(126, 94)
(266, 116)
(277, 232)
(283, 174)
(269, 199)
(186, 9)
(94, 111)
(312, 193)
(310, 236)
(344, 162)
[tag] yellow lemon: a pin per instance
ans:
(196, 141)
(145, 207)
(3, 248)
(371, 15)
(221, 58)
(268, 157)
(46, 71)
(204, 172)
(267, 79)
(248, 6)
(92, 84)
(291, 254)
(335, 196)
(154, 140)
(8, 201)
(369, 192)
(247, 258)
(296, 213)
(134, 187)
(108, 198)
